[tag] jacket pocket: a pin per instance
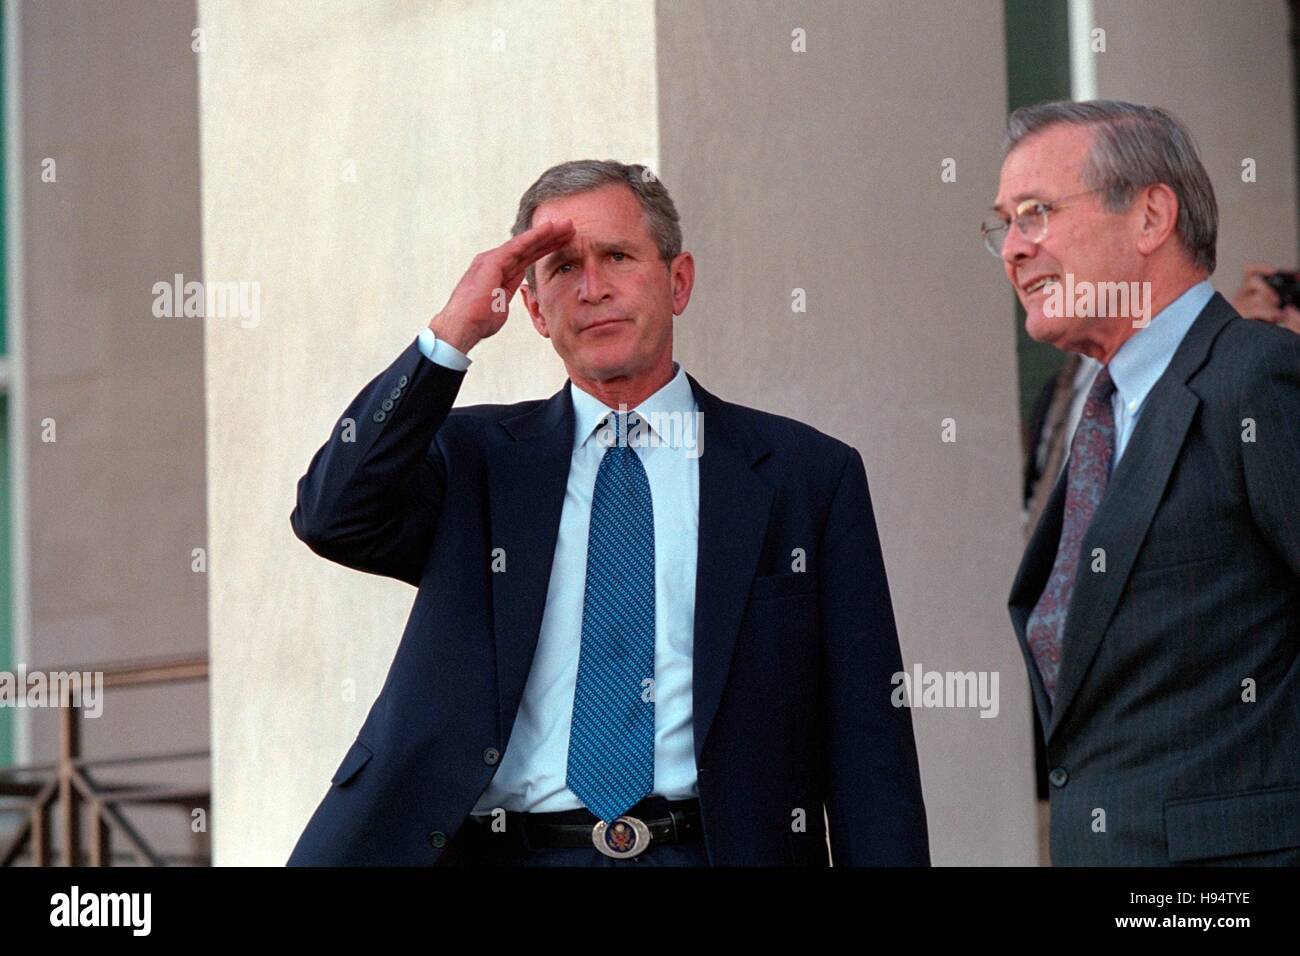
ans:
(1254, 821)
(1170, 550)
(358, 756)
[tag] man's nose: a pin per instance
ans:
(1016, 248)
(593, 288)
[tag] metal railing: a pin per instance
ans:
(70, 785)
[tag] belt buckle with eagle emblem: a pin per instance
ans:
(626, 837)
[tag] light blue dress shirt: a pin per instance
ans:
(531, 775)
(1140, 361)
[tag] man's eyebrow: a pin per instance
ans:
(1016, 200)
(568, 251)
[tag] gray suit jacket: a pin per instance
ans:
(1175, 733)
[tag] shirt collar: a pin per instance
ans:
(589, 411)
(1140, 361)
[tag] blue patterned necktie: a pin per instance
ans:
(611, 743)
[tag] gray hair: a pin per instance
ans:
(584, 175)
(1134, 147)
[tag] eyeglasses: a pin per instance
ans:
(1030, 218)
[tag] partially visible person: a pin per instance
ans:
(1258, 298)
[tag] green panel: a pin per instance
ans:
(1038, 69)
(1038, 51)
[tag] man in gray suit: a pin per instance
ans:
(1158, 602)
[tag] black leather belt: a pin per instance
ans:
(653, 820)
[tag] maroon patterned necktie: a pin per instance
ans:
(1089, 470)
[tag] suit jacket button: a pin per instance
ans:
(402, 381)
(1058, 777)
(491, 756)
(438, 839)
(386, 404)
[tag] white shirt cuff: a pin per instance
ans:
(440, 352)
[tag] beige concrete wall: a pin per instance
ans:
(448, 110)
(821, 171)
(109, 96)
(356, 156)
(1225, 69)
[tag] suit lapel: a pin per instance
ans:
(1133, 493)
(735, 504)
(527, 479)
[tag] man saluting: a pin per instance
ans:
(622, 649)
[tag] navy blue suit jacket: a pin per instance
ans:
(792, 669)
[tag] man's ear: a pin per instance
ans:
(682, 276)
(1159, 217)
(534, 310)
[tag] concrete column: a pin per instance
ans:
(356, 156)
